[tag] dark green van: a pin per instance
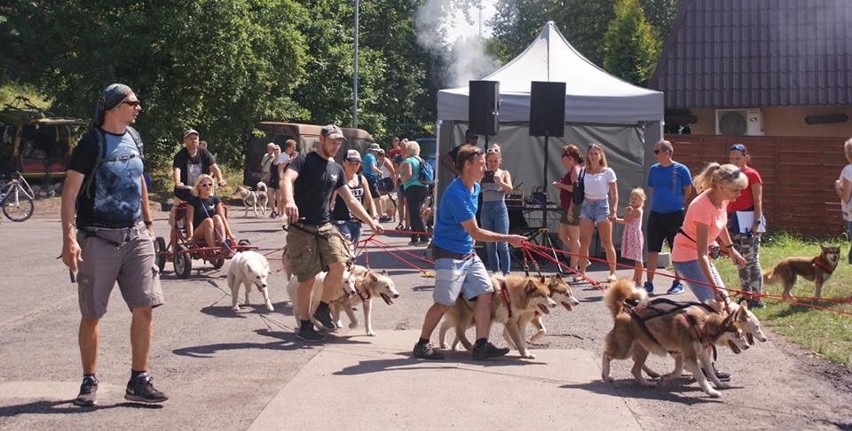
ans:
(36, 145)
(305, 135)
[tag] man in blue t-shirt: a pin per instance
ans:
(671, 184)
(372, 171)
(457, 267)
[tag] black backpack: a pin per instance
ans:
(101, 150)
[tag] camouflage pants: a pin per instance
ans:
(751, 277)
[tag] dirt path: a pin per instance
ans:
(775, 385)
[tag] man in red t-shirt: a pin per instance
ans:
(746, 239)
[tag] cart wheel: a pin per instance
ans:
(160, 252)
(182, 261)
(218, 262)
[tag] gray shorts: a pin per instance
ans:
(453, 277)
(122, 255)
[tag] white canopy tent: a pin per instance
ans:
(598, 108)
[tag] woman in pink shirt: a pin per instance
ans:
(706, 219)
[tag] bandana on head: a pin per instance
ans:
(111, 96)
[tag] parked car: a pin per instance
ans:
(429, 150)
(34, 144)
(305, 135)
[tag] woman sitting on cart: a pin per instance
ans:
(209, 224)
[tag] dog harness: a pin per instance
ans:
(822, 264)
(676, 308)
(504, 293)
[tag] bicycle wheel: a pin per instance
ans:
(18, 208)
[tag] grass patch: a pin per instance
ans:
(819, 326)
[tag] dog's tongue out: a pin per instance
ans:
(543, 309)
(387, 299)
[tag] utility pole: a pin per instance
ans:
(355, 78)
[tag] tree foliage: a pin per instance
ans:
(214, 65)
(630, 46)
(220, 66)
(584, 23)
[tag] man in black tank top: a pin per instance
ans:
(313, 243)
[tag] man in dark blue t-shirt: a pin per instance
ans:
(113, 241)
(313, 243)
(457, 267)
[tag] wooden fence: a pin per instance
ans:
(798, 175)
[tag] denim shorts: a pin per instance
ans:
(453, 277)
(350, 229)
(691, 274)
(595, 210)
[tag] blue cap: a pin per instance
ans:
(739, 147)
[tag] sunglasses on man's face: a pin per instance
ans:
(132, 103)
(474, 154)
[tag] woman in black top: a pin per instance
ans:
(346, 222)
(207, 215)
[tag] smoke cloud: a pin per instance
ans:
(456, 34)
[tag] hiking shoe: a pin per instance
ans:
(611, 278)
(721, 375)
(488, 350)
(141, 390)
(649, 287)
(426, 351)
(323, 316)
(88, 393)
(752, 304)
(676, 289)
(308, 333)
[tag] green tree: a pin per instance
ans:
(661, 15)
(630, 46)
(395, 92)
(582, 22)
(214, 65)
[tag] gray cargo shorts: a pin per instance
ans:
(123, 255)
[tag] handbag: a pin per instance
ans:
(579, 189)
(538, 197)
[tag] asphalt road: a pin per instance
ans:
(222, 369)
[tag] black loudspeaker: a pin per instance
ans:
(547, 109)
(483, 107)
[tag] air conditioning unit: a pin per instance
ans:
(739, 122)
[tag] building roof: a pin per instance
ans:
(753, 53)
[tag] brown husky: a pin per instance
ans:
(516, 300)
(817, 269)
(689, 333)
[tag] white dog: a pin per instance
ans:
(347, 289)
(256, 200)
(248, 268)
(368, 284)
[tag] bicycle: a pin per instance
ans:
(17, 199)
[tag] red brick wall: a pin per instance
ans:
(798, 175)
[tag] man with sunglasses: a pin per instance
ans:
(449, 159)
(457, 267)
(112, 240)
(313, 243)
(670, 185)
(747, 238)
